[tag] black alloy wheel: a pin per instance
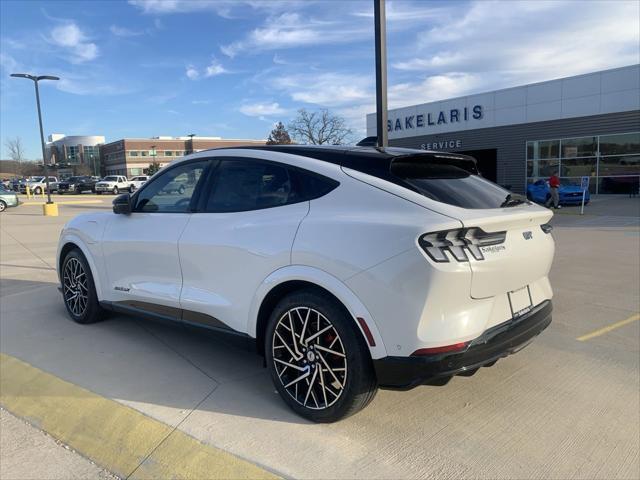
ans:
(317, 357)
(78, 289)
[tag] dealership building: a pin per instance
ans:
(587, 125)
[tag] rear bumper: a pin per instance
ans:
(500, 341)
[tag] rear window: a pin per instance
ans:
(452, 185)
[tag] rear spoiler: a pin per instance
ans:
(415, 160)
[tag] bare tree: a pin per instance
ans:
(15, 151)
(319, 128)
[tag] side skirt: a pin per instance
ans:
(187, 319)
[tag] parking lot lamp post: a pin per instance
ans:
(380, 21)
(35, 80)
(191, 135)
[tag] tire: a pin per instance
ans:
(344, 384)
(132, 189)
(78, 289)
(3, 205)
(99, 193)
(115, 190)
(78, 191)
(37, 191)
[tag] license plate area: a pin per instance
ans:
(520, 302)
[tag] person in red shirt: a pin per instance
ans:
(554, 185)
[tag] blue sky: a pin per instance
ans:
(232, 68)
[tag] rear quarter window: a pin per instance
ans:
(451, 185)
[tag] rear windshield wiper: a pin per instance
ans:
(510, 201)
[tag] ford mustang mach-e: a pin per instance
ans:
(348, 268)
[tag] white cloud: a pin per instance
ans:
(124, 32)
(192, 73)
(326, 89)
(262, 109)
(200, 102)
(291, 30)
(214, 69)
(70, 37)
(526, 43)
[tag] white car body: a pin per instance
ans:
(113, 184)
(136, 182)
(362, 242)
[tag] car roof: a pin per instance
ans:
(371, 160)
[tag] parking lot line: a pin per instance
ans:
(116, 437)
(608, 328)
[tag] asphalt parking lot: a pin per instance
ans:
(568, 406)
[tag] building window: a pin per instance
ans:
(133, 153)
(612, 161)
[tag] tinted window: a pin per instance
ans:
(245, 184)
(242, 185)
(452, 185)
(171, 191)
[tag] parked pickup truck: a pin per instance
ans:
(112, 184)
(137, 182)
(38, 185)
(77, 185)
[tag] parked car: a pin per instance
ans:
(348, 268)
(136, 182)
(112, 184)
(7, 198)
(570, 194)
(77, 185)
(15, 184)
(38, 185)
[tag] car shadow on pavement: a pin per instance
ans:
(163, 370)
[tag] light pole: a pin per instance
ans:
(380, 21)
(191, 135)
(36, 79)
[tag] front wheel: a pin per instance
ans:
(38, 191)
(78, 289)
(115, 190)
(3, 205)
(317, 358)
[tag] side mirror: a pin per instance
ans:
(122, 204)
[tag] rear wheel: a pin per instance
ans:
(318, 361)
(37, 191)
(78, 289)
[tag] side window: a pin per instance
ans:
(242, 185)
(172, 190)
(308, 185)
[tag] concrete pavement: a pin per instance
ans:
(561, 408)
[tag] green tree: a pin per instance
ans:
(279, 135)
(153, 168)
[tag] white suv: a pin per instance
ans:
(112, 184)
(349, 268)
(136, 182)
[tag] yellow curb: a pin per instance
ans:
(116, 437)
(63, 203)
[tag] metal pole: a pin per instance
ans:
(44, 160)
(381, 71)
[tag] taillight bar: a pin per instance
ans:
(458, 242)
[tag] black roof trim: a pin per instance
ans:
(370, 160)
